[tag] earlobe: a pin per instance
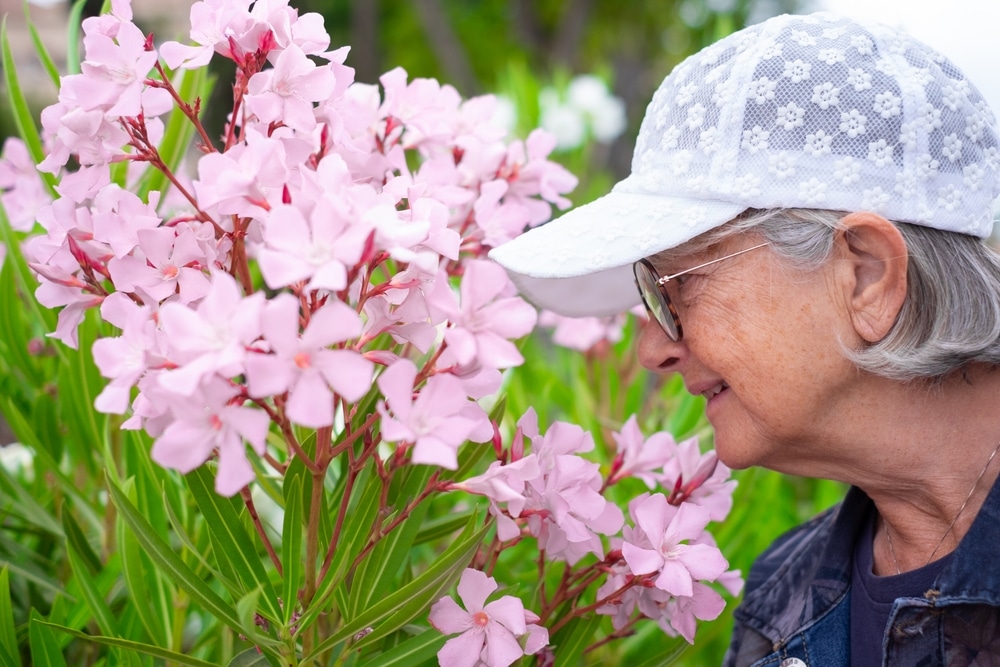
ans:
(874, 273)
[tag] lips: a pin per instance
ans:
(715, 390)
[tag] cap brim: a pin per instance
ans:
(580, 264)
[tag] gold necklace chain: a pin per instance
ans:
(888, 533)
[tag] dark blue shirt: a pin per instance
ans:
(798, 598)
(872, 597)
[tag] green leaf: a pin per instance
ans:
(76, 540)
(169, 562)
(73, 37)
(399, 608)
(138, 647)
(22, 113)
(376, 575)
(22, 502)
(44, 647)
(665, 657)
(8, 637)
(235, 550)
(95, 601)
(441, 527)
(137, 582)
(40, 50)
(574, 638)
(361, 514)
(249, 658)
(413, 651)
(291, 548)
(191, 546)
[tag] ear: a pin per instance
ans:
(873, 273)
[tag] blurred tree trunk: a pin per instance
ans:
(572, 28)
(446, 46)
(364, 49)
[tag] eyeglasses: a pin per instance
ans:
(653, 290)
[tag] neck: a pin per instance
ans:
(926, 455)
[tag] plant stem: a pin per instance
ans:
(185, 108)
(338, 526)
(248, 500)
(400, 518)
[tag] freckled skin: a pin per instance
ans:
(772, 333)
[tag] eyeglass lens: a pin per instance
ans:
(655, 299)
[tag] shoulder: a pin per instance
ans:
(791, 548)
(800, 576)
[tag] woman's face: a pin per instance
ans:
(763, 343)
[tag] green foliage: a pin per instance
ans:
(105, 558)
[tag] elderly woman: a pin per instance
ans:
(804, 222)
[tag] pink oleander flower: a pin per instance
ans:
(209, 421)
(437, 421)
(582, 333)
(488, 318)
(168, 261)
(126, 358)
(700, 479)
(303, 365)
(665, 540)
(212, 337)
(21, 189)
(213, 22)
(640, 457)
(318, 247)
(287, 91)
(489, 632)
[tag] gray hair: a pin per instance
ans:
(950, 317)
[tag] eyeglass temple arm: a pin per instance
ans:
(665, 279)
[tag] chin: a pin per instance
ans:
(740, 453)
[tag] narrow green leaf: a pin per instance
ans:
(138, 647)
(73, 37)
(182, 535)
(249, 658)
(413, 651)
(169, 562)
(137, 583)
(246, 608)
(40, 50)
(574, 638)
(665, 657)
(95, 601)
(399, 608)
(76, 540)
(377, 574)
(22, 113)
(8, 637)
(44, 647)
(23, 503)
(291, 548)
(361, 514)
(441, 527)
(233, 546)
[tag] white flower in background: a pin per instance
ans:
(564, 122)
(504, 114)
(589, 110)
(18, 461)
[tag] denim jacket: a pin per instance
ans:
(797, 602)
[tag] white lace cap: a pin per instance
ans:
(814, 111)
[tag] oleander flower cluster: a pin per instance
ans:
(311, 286)
(358, 208)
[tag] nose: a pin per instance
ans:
(658, 352)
